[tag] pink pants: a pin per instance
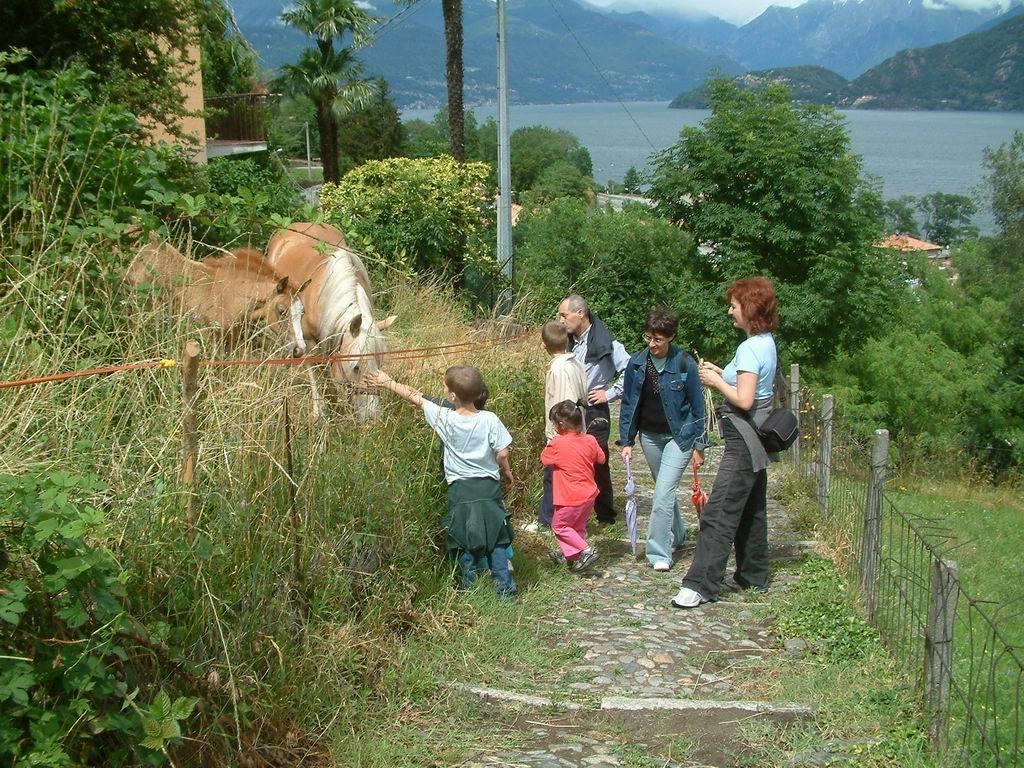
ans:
(569, 525)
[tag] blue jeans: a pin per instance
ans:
(471, 566)
(668, 462)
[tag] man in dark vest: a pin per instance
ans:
(604, 359)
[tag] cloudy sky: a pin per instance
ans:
(742, 11)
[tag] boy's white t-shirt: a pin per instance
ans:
(472, 441)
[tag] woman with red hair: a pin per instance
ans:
(737, 512)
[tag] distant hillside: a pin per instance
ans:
(814, 85)
(848, 37)
(980, 71)
(983, 71)
(546, 65)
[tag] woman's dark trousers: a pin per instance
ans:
(737, 512)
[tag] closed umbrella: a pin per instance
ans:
(698, 496)
(631, 505)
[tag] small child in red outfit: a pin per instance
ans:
(572, 454)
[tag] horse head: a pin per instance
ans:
(282, 310)
(365, 344)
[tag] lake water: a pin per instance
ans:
(913, 153)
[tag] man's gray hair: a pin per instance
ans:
(577, 303)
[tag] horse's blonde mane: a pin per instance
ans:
(342, 297)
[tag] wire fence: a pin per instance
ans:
(955, 648)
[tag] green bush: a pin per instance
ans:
(430, 215)
(70, 676)
(245, 196)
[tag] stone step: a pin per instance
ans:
(620, 731)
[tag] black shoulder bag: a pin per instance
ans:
(781, 428)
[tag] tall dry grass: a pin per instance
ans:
(288, 623)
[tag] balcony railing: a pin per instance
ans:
(236, 123)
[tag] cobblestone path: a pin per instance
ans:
(652, 685)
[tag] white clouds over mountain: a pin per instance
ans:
(742, 11)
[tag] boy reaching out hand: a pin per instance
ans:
(475, 460)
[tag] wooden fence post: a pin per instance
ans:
(189, 431)
(938, 646)
(828, 408)
(871, 545)
(794, 406)
(298, 576)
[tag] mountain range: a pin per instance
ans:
(980, 71)
(846, 36)
(563, 51)
(560, 51)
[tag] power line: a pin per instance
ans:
(599, 72)
(402, 15)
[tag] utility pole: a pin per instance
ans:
(309, 162)
(505, 257)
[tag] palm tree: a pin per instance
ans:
(329, 77)
(452, 10)
(453, 74)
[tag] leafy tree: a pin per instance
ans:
(940, 354)
(424, 140)
(632, 181)
(139, 48)
(899, 215)
(432, 139)
(535, 148)
(947, 217)
(373, 131)
(287, 126)
(1006, 187)
(623, 262)
(328, 77)
(993, 267)
(425, 215)
(229, 63)
(772, 188)
(561, 179)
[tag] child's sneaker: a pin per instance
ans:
(558, 557)
(585, 560)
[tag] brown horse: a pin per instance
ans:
(337, 300)
(229, 292)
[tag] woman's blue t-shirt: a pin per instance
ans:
(755, 355)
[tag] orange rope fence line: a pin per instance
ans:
(412, 353)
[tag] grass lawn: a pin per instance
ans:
(978, 526)
(987, 525)
(306, 177)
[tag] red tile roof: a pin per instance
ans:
(907, 243)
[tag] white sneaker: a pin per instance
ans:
(661, 566)
(688, 598)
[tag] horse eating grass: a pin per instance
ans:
(229, 292)
(338, 305)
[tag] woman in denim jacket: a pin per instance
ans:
(663, 404)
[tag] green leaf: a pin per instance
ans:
(169, 730)
(161, 706)
(12, 598)
(183, 707)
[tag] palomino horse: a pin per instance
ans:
(228, 292)
(338, 304)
